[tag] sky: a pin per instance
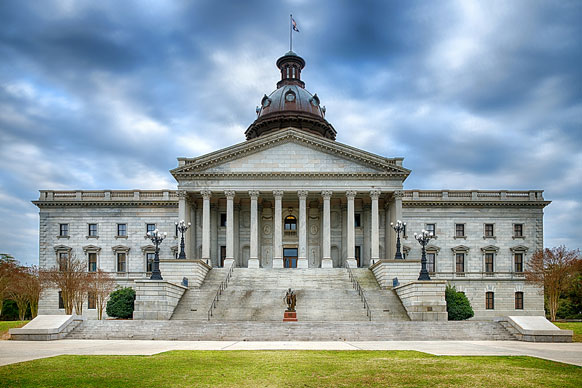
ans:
(106, 94)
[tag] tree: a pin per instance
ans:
(8, 268)
(552, 269)
(33, 288)
(70, 277)
(458, 306)
(121, 303)
(101, 284)
(17, 291)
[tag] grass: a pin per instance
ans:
(290, 369)
(6, 325)
(576, 327)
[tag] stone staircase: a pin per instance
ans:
(196, 301)
(322, 295)
(292, 331)
(385, 305)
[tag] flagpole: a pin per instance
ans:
(291, 32)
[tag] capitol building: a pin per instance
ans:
(291, 198)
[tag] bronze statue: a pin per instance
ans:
(291, 299)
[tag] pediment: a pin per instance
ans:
(290, 151)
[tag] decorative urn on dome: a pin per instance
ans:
(290, 105)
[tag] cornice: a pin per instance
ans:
(310, 175)
(504, 203)
(165, 203)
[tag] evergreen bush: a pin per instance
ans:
(458, 306)
(121, 303)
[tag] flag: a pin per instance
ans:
(294, 25)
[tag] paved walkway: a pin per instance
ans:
(18, 351)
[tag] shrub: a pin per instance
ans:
(458, 306)
(120, 303)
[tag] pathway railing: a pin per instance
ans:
(360, 290)
(222, 287)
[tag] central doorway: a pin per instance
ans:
(290, 257)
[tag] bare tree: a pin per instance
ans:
(8, 268)
(33, 288)
(70, 277)
(17, 291)
(552, 269)
(101, 284)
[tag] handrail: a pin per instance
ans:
(223, 285)
(360, 290)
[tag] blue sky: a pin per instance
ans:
(106, 95)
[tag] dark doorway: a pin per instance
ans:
(357, 254)
(290, 257)
(222, 255)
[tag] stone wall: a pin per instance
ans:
(424, 300)
(386, 270)
(156, 299)
(175, 271)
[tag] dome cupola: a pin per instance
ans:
(290, 105)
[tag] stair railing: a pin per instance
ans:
(360, 290)
(222, 287)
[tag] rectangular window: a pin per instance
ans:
(489, 300)
(404, 230)
(223, 220)
(63, 260)
(121, 262)
(489, 262)
(92, 230)
(91, 301)
(121, 230)
(517, 230)
(430, 258)
(92, 261)
(357, 220)
(64, 230)
(150, 228)
(176, 231)
(518, 259)
(431, 229)
(459, 230)
(489, 230)
(61, 301)
(150, 261)
(460, 262)
(519, 300)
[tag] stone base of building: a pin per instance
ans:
(424, 300)
(302, 263)
(326, 263)
(156, 299)
(352, 263)
(253, 263)
(277, 263)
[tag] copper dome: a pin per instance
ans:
(290, 105)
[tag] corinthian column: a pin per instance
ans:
(278, 232)
(351, 258)
(229, 259)
(302, 259)
(326, 261)
(374, 195)
(254, 254)
(206, 194)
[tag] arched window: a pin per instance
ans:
(290, 223)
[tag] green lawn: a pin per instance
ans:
(290, 369)
(576, 327)
(5, 325)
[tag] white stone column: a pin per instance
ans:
(326, 261)
(278, 230)
(229, 259)
(302, 254)
(351, 258)
(375, 238)
(206, 194)
(254, 251)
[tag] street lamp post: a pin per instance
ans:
(423, 238)
(182, 228)
(399, 227)
(157, 239)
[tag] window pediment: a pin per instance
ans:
(120, 248)
(91, 248)
(490, 248)
(460, 248)
(433, 248)
(148, 248)
(406, 249)
(62, 248)
(519, 248)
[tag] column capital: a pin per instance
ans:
(302, 194)
(375, 194)
(229, 194)
(398, 194)
(206, 194)
(254, 194)
(351, 194)
(182, 194)
(326, 194)
(278, 194)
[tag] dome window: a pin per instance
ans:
(290, 97)
(266, 101)
(314, 100)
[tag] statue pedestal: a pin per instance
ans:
(290, 316)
